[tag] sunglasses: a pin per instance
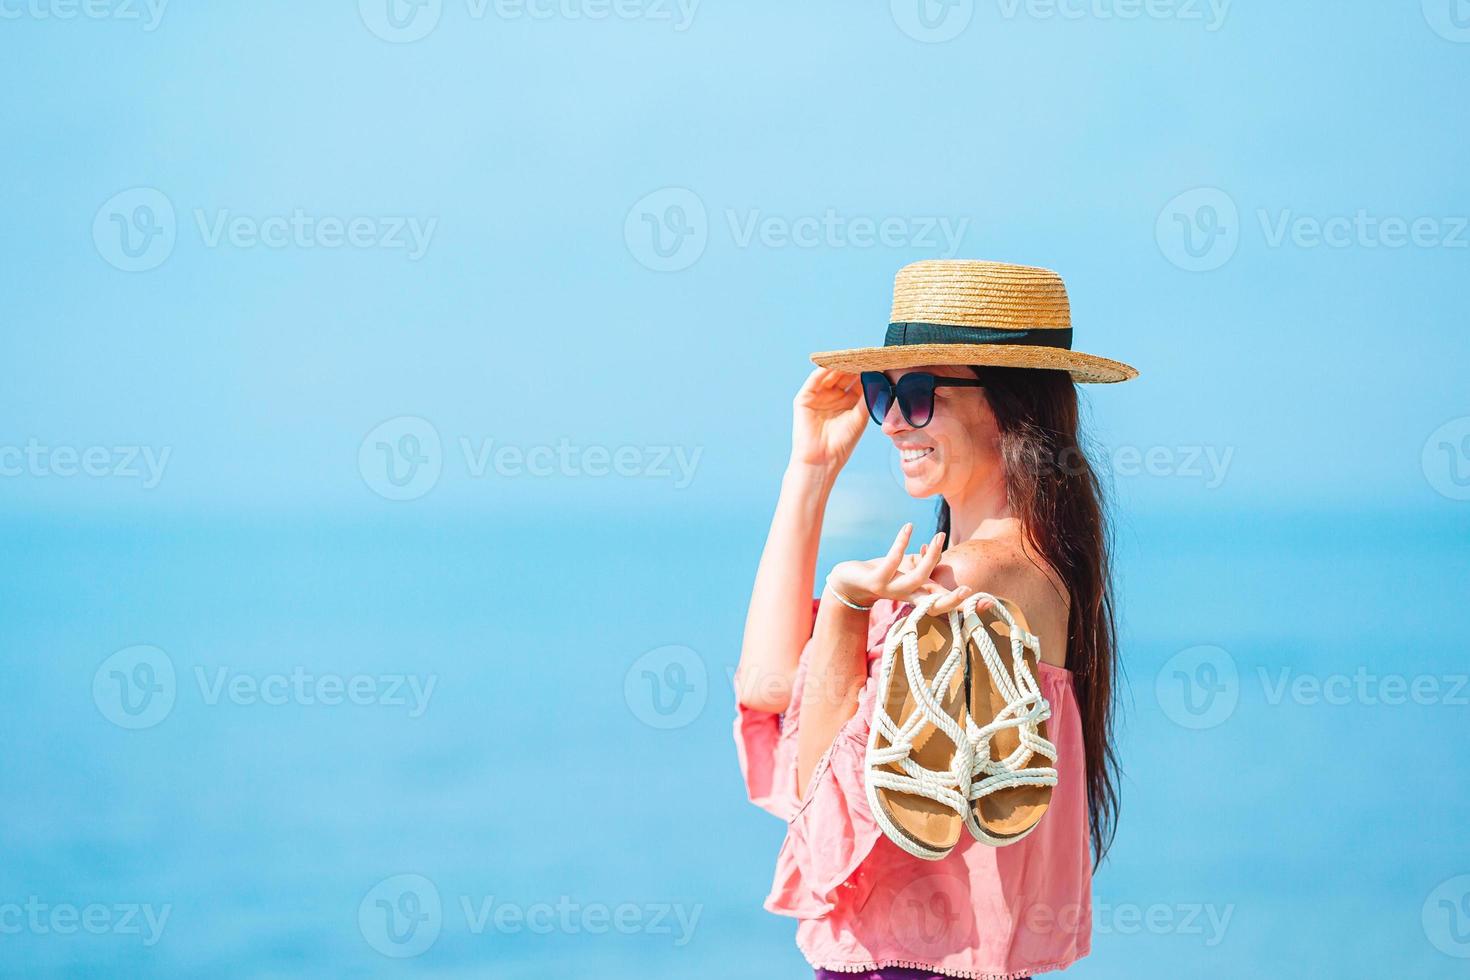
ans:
(914, 393)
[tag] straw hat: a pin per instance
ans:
(959, 311)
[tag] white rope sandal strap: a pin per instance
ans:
(1024, 710)
(892, 767)
(927, 710)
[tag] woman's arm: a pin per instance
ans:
(837, 666)
(827, 420)
(836, 671)
(779, 620)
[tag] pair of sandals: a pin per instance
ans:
(958, 737)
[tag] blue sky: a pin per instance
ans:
(519, 147)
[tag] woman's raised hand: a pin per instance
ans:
(898, 576)
(828, 419)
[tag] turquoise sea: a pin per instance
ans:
(1300, 834)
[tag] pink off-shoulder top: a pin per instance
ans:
(865, 904)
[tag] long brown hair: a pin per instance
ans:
(1052, 488)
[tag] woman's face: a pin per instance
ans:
(960, 447)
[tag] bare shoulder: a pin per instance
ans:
(1006, 568)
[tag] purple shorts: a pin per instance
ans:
(887, 973)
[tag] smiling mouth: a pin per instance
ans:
(914, 455)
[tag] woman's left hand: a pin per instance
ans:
(898, 576)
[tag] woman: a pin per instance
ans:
(975, 386)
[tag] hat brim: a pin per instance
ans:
(1088, 368)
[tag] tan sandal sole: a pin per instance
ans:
(928, 823)
(1013, 811)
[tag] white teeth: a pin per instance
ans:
(909, 455)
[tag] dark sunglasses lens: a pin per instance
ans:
(916, 398)
(878, 394)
